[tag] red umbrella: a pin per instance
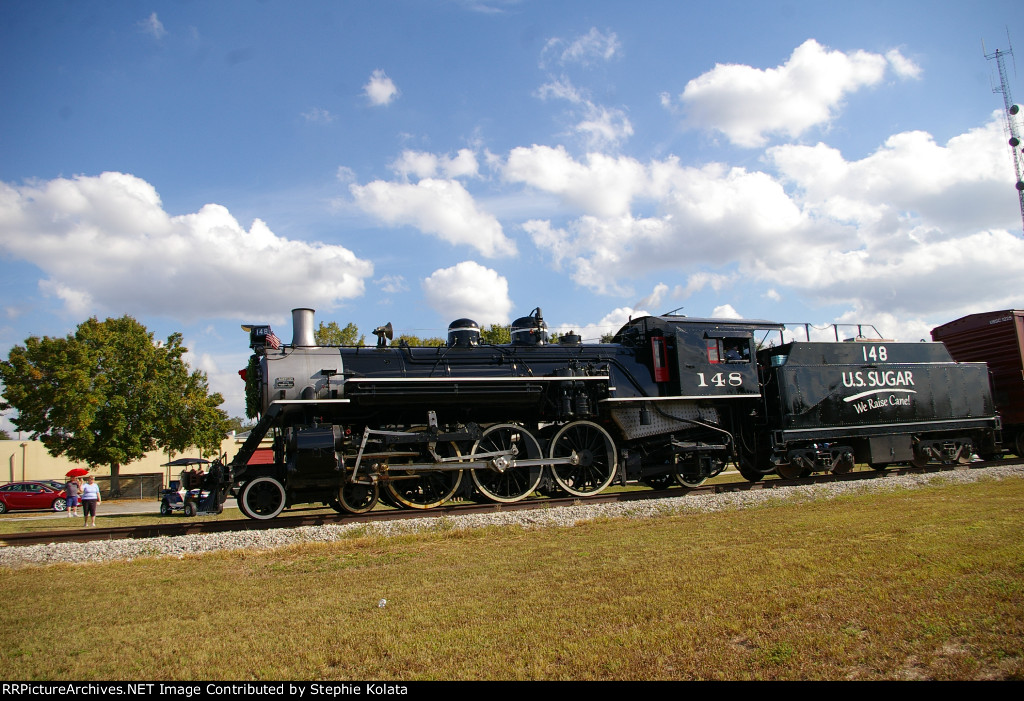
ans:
(77, 472)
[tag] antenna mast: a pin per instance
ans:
(1011, 111)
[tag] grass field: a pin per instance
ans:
(922, 584)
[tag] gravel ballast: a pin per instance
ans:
(179, 546)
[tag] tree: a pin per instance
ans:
(417, 342)
(4, 435)
(332, 335)
(496, 335)
(191, 416)
(239, 424)
(108, 394)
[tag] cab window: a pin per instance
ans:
(728, 350)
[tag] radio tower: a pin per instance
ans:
(1011, 110)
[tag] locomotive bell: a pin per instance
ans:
(463, 333)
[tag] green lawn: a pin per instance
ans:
(922, 584)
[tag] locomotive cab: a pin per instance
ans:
(697, 358)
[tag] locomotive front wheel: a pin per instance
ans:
(357, 498)
(262, 499)
(512, 483)
(595, 450)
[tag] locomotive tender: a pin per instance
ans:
(671, 398)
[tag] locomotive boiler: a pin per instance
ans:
(669, 399)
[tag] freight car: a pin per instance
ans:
(670, 398)
(995, 338)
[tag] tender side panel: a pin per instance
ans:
(815, 387)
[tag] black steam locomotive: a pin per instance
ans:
(671, 398)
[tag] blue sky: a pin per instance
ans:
(200, 165)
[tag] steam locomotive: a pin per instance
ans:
(669, 399)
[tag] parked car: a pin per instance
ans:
(32, 495)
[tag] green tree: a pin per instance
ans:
(239, 424)
(107, 394)
(417, 342)
(333, 335)
(191, 416)
(496, 335)
(4, 435)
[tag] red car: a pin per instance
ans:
(32, 495)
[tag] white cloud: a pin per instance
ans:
(698, 281)
(417, 163)
(440, 207)
(391, 284)
(704, 215)
(908, 328)
(959, 186)
(725, 311)
(380, 90)
(654, 299)
(561, 89)
(599, 127)
(107, 245)
(469, 290)
(901, 65)
(749, 104)
(422, 164)
(603, 126)
(916, 227)
(593, 47)
(318, 115)
(153, 25)
(609, 323)
(604, 185)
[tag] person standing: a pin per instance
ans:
(90, 499)
(73, 489)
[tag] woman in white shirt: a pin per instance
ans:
(90, 498)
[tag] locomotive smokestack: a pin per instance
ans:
(302, 327)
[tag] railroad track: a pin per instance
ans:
(179, 527)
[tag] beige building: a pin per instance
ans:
(29, 460)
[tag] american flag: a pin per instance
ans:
(272, 340)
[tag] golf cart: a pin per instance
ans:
(189, 493)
